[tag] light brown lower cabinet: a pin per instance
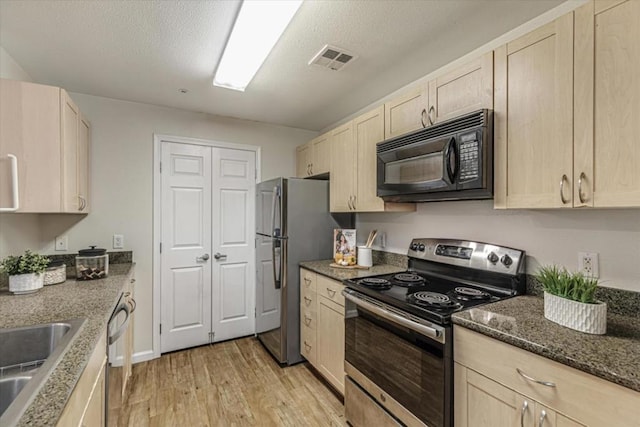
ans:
(494, 386)
(322, 326)
(86, 405)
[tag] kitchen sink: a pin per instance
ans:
(28, 356)
(9, 390)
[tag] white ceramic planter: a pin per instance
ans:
(25, 283)
(589, 318)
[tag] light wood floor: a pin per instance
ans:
(234, 383)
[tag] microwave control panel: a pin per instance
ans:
(469, 157)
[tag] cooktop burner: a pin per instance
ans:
(408, 279)
(375, 283)
(465, 293)
(433, 300)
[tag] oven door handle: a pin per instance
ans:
(392, 317)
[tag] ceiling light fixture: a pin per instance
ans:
(258, 27)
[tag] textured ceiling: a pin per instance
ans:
(146, 50)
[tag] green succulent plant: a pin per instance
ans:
(27, 263)
(574, 286)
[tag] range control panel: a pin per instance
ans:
(478, 255)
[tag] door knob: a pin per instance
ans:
(204, 257)
(218, 255)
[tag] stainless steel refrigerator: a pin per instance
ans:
(293, 224)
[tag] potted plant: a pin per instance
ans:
(25, 272)
(569, 300)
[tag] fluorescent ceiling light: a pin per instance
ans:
(258, 27)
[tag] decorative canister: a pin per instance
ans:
(55, 273)
(92, 264)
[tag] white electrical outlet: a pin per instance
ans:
(588, 264)
(62, 243)
(118, 241)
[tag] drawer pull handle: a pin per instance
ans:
(307, 300)
(307, 345)
(543, 415)
(331, 292)
(562, 181)
(525, 405)
(307, 320)
(527, 377)
(307, 280)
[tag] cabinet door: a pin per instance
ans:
(607, 107)
(84, 138)
(343, 169)
(70, 119)
(406, 113)
(331, 342)
(303, 160)
(321, 154)
(534, 118)
(30, 130)
(481, 402)
(463, 90)
(369, 130)
(94, 414)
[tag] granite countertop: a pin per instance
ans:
(322, 267)
(94, 300)
(520, 321)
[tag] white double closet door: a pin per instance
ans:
(208, 244)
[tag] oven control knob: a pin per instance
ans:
(506, 260)
(421, 247)
(414, 247)
(493, 258)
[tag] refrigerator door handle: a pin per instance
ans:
(275, 241)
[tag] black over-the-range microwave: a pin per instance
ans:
(452, 160)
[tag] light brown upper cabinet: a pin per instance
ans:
(314, 157)
(533, 120)
(353, 173)
(406, 113)
(45, 130)
(344, 160)
(607, 104)
(464, 89)
(303, 160)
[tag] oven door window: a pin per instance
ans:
(409, 367)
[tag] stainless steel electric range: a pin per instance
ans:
(398, 338)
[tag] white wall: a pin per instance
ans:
(548, 236)
(121, 183)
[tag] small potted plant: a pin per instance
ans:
(25, 272)
(569, 300)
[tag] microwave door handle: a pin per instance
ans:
(452, 150)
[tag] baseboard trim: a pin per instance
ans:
(142, 356)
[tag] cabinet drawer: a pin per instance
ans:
(307, 281)
(309, 301)
(308, 344)
(308, 316)
(576, 393)
(361, 410)
(330, 289)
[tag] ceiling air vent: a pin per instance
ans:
(333, 58)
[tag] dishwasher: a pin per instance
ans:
(118, 324)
